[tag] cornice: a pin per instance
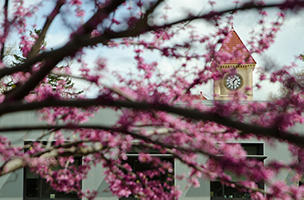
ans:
(238, 66)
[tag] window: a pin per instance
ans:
(138, 166)
(301, 181)
(219, 191)
(253, 148)
(36, 188)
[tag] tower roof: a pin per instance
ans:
(234, 46)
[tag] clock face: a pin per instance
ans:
(233, 82)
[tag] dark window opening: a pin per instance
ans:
(220, 191)
(138, 166)
(253, 148)
(37, 188)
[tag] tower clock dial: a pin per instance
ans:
(233, 82)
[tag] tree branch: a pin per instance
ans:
(98, 17)
(6, 29)
(36, 47)
(207, 16)
(18, 163)
(185, 112)
(70, 48)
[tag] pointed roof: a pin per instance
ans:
(234, 46)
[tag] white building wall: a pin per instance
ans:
(11, 185)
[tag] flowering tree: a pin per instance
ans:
(157, 110)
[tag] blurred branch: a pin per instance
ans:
(185, 112)
(36, 47)
(18, 163)
(6, 27)
(68, 148)
(51, 61)
(98, 17)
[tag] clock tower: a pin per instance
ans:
(240, 59)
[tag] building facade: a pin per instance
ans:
(13, 186)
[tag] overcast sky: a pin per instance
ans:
(289, 41)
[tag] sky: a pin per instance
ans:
(289, 41)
